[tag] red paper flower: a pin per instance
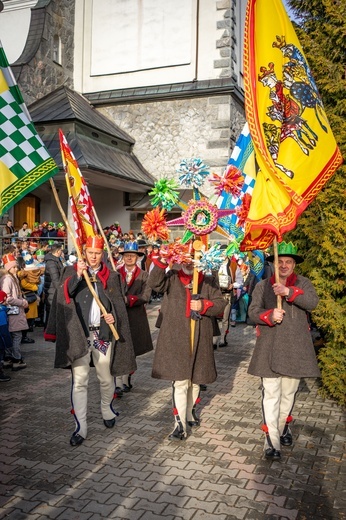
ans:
(243, 210)
(231, 181)
(154, 225)
(176, 253)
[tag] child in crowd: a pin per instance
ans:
(9, 283)
(5, 336)
(30, 280)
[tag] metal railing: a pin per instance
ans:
(12, 239)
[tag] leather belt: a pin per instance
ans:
(94, 328)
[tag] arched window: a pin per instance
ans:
(57, 49)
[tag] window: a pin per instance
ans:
(57, 49)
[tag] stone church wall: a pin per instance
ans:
(167, 131)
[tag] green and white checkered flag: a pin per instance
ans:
(24, 160)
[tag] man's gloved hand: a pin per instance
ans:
(196, 306)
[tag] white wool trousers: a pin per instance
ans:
(278, 396)
(79, 393)
(184, 397)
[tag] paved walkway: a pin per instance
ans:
(134, 472)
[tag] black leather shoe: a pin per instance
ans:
(126, 389)
(177, 435)
(193, 423)
(109, 423)
(286, 440)
(118, 392)
(76, 439)
(27, 340)
(273, 454)
(223, 344)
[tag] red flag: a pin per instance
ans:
(81, 204)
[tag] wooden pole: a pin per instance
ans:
(276, 271)
(80, 257)
(105, 239)
(197, 246)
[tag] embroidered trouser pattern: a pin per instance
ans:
(278, 396)
(79, 392)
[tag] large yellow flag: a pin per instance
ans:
(295, 148)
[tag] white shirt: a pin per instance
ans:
(95, 311)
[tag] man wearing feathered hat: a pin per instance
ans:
(284, 350)
(83, 333)
(137, 294)
(174, 359)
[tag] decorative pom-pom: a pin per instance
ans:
(230, 182)
(154, 225)
(192, 172)
(164, 193)
(243, 210)
(176, 253)
(210, 260)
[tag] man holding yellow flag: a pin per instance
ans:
(284, 351)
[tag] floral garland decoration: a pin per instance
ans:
(201, 217)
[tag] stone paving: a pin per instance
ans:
(134, 472)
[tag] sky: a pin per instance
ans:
(289, 12)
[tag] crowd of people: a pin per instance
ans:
(46, 230)
(103, 294)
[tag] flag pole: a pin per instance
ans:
(80, 257)
(276, 270)
(105, 239)
(197, 245)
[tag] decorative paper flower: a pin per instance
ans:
(164, 193)
(201, 217)
(192, 172)
(154, 225)
(233, 247)
(231, 181)
(243, 210)
(210, 260)
(176, 253)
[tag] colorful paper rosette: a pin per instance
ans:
(201, 217)
(210, 260)
(154, 224)
(230, 182)
(176, 253)
(164, 193)
(192, 172)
